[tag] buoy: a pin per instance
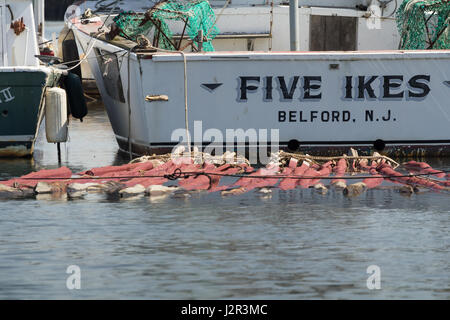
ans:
(75, 96)
(289, 183)
(340, 169)
(320, 188)
(132, 191)
(156, 190)
(70, 51)
(355, 189)
(56, 115)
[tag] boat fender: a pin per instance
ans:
(293, 145)
(56, 115)
(75, 96)
(70, 54)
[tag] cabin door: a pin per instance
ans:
(332, 33)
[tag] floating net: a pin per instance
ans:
(196, 15)
(231, 175)
(424, 24)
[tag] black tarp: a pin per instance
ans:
(55, 9)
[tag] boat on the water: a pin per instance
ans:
(315, 76)
(23, 79)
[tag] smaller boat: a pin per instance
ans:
(24, 81)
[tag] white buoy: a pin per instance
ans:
(56, 115)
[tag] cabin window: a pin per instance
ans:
(332, 33)
(109, 67)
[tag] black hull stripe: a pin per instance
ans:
(304, 143)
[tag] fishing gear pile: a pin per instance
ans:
(424, 24)
(155, 23)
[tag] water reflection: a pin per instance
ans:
(91, 144)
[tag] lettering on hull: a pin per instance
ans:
(334, 116)
(363, 98)
(356, 88)
(6, 95)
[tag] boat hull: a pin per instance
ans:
(318, 102)
(21, 103)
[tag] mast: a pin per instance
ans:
(293, 24)
(4, 55)
(39, 17)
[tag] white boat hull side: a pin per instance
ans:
(116, 104)
(406, 103)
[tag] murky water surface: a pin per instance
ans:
(294, 245)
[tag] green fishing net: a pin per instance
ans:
(424, 24)
(197, 14)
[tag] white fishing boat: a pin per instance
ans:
(30, 89)
(23, 80)
(315, 76)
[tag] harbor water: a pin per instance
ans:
(294, 245)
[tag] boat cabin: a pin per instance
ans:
(263, 25)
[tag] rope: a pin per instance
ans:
(129, 109)
(284, 155)
(87, 58)
(271, 26)
(109, 14)
(218, 16)
(41, 114)
(86, 54)
(237, 161)
(92, 99)
(89, 50)
(186, 111)
(93, 38)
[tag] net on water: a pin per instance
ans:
(424, 24)
(196, 15)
